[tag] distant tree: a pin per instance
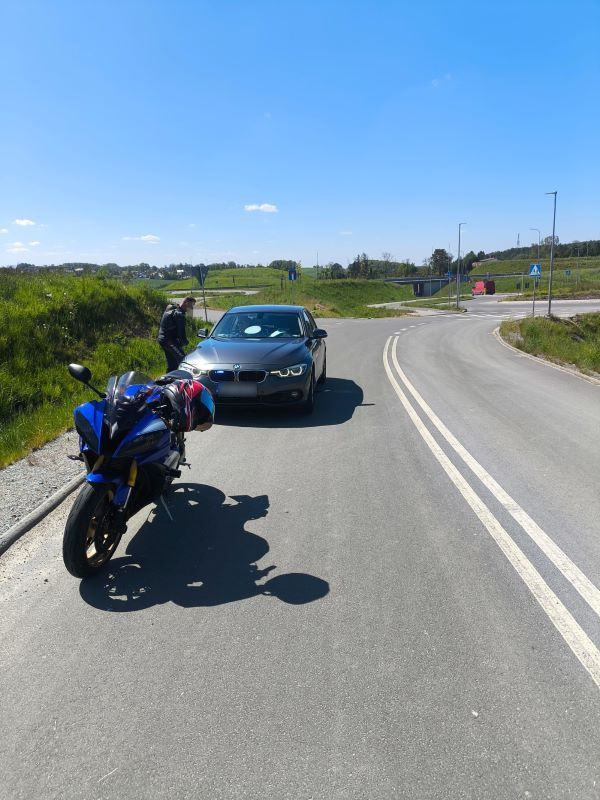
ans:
(548, 240)
(439, 261)
(467, 261)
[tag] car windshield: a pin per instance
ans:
(259, 325)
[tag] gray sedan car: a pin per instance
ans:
(272, 355)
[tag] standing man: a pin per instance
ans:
(171, 335)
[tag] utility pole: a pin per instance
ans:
(551, 256)
(317, 265)
(460, 224)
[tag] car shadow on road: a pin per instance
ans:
(204, 557)
(334, 404)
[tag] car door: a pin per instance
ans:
(316, 346)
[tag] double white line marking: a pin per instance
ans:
(574, 635)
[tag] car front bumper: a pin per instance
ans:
(271, 391)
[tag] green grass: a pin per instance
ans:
(50, 321)
(521, 265)
(573, 341)
(232, 279)
(340, 298)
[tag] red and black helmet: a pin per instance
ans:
(192, 405)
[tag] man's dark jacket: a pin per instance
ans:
(172, 327)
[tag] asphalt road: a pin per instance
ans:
(393, 598)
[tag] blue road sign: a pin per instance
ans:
(535, 270)
(449, 275)
(292, 274)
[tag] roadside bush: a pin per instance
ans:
(47, 322)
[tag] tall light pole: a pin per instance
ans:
(539, 237)
(460, 224)
(551, 256)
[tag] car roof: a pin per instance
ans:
(272, 307)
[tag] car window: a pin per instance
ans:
(311, 318)
(310, 326)
(259, 325)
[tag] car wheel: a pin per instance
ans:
(308, 405)
(323, 377)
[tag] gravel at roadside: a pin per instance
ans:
(28, 482)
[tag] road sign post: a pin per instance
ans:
(535, 272)
(201, 272)
(293, 277)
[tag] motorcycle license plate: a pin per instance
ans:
(236, 389)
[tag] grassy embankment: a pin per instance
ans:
(48, 322)
(340, 298)
(325, 298)
(574, 341)
(584, 280)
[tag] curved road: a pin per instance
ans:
(396, 597)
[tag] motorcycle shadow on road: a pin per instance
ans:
(205, 557)
(334, 404)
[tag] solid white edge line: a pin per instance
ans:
(551, 550)
(581, 645)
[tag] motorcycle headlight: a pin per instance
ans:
(196, 371)
(290, 372)
(86, 431)
(141, 444)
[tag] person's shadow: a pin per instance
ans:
(204, 557)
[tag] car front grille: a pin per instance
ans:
(255, 375)
(221, 375)
(218, 375)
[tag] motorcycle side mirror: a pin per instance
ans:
(203, 333)
(85, 376)
(80, 373)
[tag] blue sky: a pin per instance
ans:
(249, 131)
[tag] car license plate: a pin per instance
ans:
(236, 389)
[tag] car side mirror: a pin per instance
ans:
(80, 373)
(203, 333)
(319, 333)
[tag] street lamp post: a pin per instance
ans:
(539, 237)
(551, 256)
(460, 224)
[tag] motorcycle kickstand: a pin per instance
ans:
(166, 507)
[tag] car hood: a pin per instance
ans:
(212, 351)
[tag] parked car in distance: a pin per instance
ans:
(483, 287)
(267, 355)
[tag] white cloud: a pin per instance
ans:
(34, 244)
(16, 247)
(147, 237)
(345, 233)
(24, 222)
(266, 208)
(3, 230)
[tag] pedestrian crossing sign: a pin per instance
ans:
(535, 270)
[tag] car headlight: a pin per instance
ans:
(196, 371)
(290, 372)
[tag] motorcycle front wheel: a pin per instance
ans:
(91, 536)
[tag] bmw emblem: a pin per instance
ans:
(237, 366)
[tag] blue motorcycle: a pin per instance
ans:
(132, 443)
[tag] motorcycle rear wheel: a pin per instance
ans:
(90, 540)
